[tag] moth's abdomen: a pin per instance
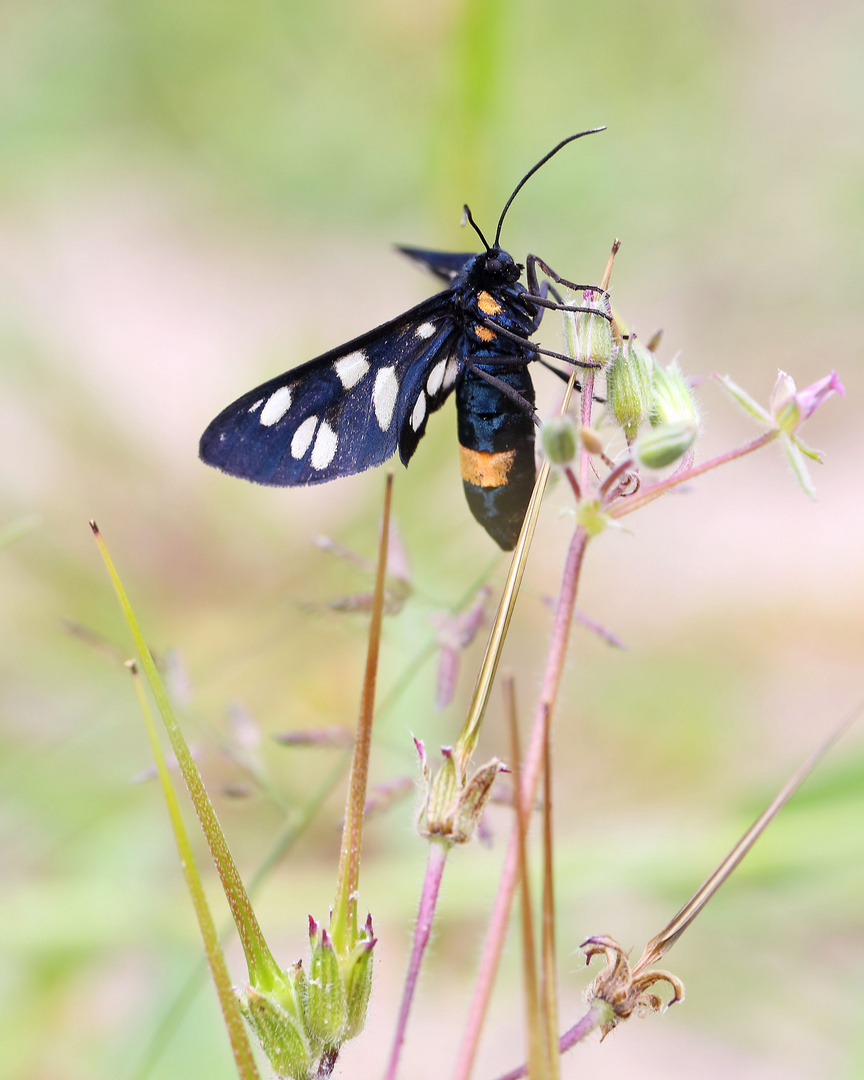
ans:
(496, 449)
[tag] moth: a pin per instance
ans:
(354, 406)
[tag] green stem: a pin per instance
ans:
(263, 969)
(243, 1056)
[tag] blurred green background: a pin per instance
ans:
(194, 197)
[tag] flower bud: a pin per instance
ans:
(326, 1010)
(589, 336)
(281, 1035)
(358, 981)
(673, 400)
(660, 446)
(558, 440)
(592, 517)
(628, 387)
(591, 440)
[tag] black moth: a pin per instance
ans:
(350, 408)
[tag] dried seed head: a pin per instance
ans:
(453, 805)
(624, 990)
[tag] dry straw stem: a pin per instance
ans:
(343, 925)
(533, 1016)
(550, 970)
(663, 942)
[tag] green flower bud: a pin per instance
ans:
(326, 1007)
(592, 517)
(628, 387)
(280, 1034)
(673, 400)
(359, 981)
(589, 337)
(558, 440)
(660, 446)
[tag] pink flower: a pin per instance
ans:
(791, 407)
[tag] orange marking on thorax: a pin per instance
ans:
(484, 333)
(488, 304)
(484, 469)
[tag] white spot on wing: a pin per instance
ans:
(351, 368)
(302, 437)
(277, 405)
(324, 448)
(425, 330)
(436, 377)
(257, 405)
(419, 411)
(384, 396)
(450, 374)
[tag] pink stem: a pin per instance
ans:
(438, 852)
(585, 420)
(530, 778)
(649, 494)
(575, 1034)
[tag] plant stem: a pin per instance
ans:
(531, 775)
(533, 1024)
(438, 851)
(649, 494)
(550, 968)
(343, 924)
(595, 1016)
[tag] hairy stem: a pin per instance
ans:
(530, 778)
(438, 852)
(649, 494)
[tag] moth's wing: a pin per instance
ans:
(444, 264)
(343, 412)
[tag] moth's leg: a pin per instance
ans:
(531, 264)
(525, 343)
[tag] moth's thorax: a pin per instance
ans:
(493, 269)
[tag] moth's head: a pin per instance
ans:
(500, 266)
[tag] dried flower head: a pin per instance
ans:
(623, 989)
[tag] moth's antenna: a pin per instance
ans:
(468, 220)
(530, 173)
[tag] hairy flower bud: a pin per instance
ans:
(358, 981)
(326, 1011)
(589, 336)
(660, 446)
(281, 1035)
(629, 398)
(558, 440)
(673, 401)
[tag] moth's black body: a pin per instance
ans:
(352, 407)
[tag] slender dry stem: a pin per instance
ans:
(343, 925)
(533, 763)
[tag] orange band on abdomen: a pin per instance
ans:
(484, 469)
